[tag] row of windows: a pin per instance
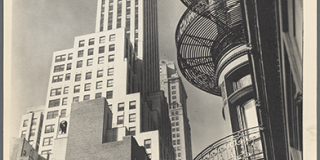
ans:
(54, 114)
(132, 105)
(175, 129)
(102, 39)
(175, 124)
(174, 135)
(59, 78)
(33, 122)
(176, 112)
(174, 142)
(175, 118)
(132, 118)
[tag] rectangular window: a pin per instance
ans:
(173, 87)
(23, 133)
(100, 60)
(77, 77)
(69, 65)
(32, 132)
(174, 142)
(178, 134)
(76, 89)
(46, 152)
(177, 112)
(57, 78)
(55, 91)
(34, 121)
(90, 51)
(178, 141)
(120, 106)
(109, 94)
(60, 58)
(111, 58)
(54, 103)
(112, 37)
(177, 123)
(147, 143)
(88, 75)
(25, 123)
(179, 148)
(172, 113)
(132, 131)
(173, 124)
(110, 71)
(132, 105)
(173, 97)
(111, 47)
(47, 141)
(86, 97)
(99, 73)
(120, 120)
(49, 128)
(66, 90)
(75, 99)
(173, 92)
(110, 83)
(52, 114)
(67, 76)
(87, 87)
(89, 62)
(132, 117)
(79, 64)
(65, 101)
(91, 41)
(102, 39)
(58, 68)
(63, 112)
(70, 56)
(173, 129)
(177, 118)
(98, 95)
(80, 53)
(81, 43)
(179, 154)
(99, 85)
(177, 129)
(172, 118)
(173, 135)
(101, 49)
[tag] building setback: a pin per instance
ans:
(176, 95)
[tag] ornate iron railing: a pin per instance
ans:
(203, 36)
(244, 145)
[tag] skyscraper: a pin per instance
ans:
(176, 95)
(106, 64)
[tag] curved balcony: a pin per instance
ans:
(244, 145)
(202, 38)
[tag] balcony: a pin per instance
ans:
(244, 145)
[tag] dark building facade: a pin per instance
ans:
(250, 53)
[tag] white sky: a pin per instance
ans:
(42, 27)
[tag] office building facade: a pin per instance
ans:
(176, 95)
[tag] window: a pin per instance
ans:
(110, 106)
(173, 97)
(70, 56)
(111, 47)
(87, 87)
(111, 58)
(173, 135)
(32, 132)
(173, 129)
(132, 105)
(110, 83)
(98, 95)
(58, 68)
(110, 71)
(25, 123)
(177, 112)
(91, 41)
(52, 114)
(242, 82)
(46, 151)
(81, 43)
(120, 120)
(112, 37)
(88, 75)
(99, 85)
(179, 148)
(177, 129)
(63, 112)
(132, 117)
(109, 94)
(174, 142)
(66, 90)
(89, 62)
(49, 129)
(132, 131)
(121, 107)
(23, 133)
(149, 155)
(179, 154)
(178, 141)
(57, 78)
(178, 134)
(76, 89)
(86, 97)
(173, 124)
(173, 87)
(177, 123)
(69, 65)
(172, 118)
(47, 141)
(172, 113)
(55, 91)
(100, 60)
(65, 101)
(99, 73)
(102, 39)
(75, 99)
(60, 58)
(90, 51)
(80, 53)
(78, 77)
(101, 49)
(54, 103)
(34, 121)
(173, 92)
(79, 64)
(67, 76)
(177, 118)
(147, 143)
